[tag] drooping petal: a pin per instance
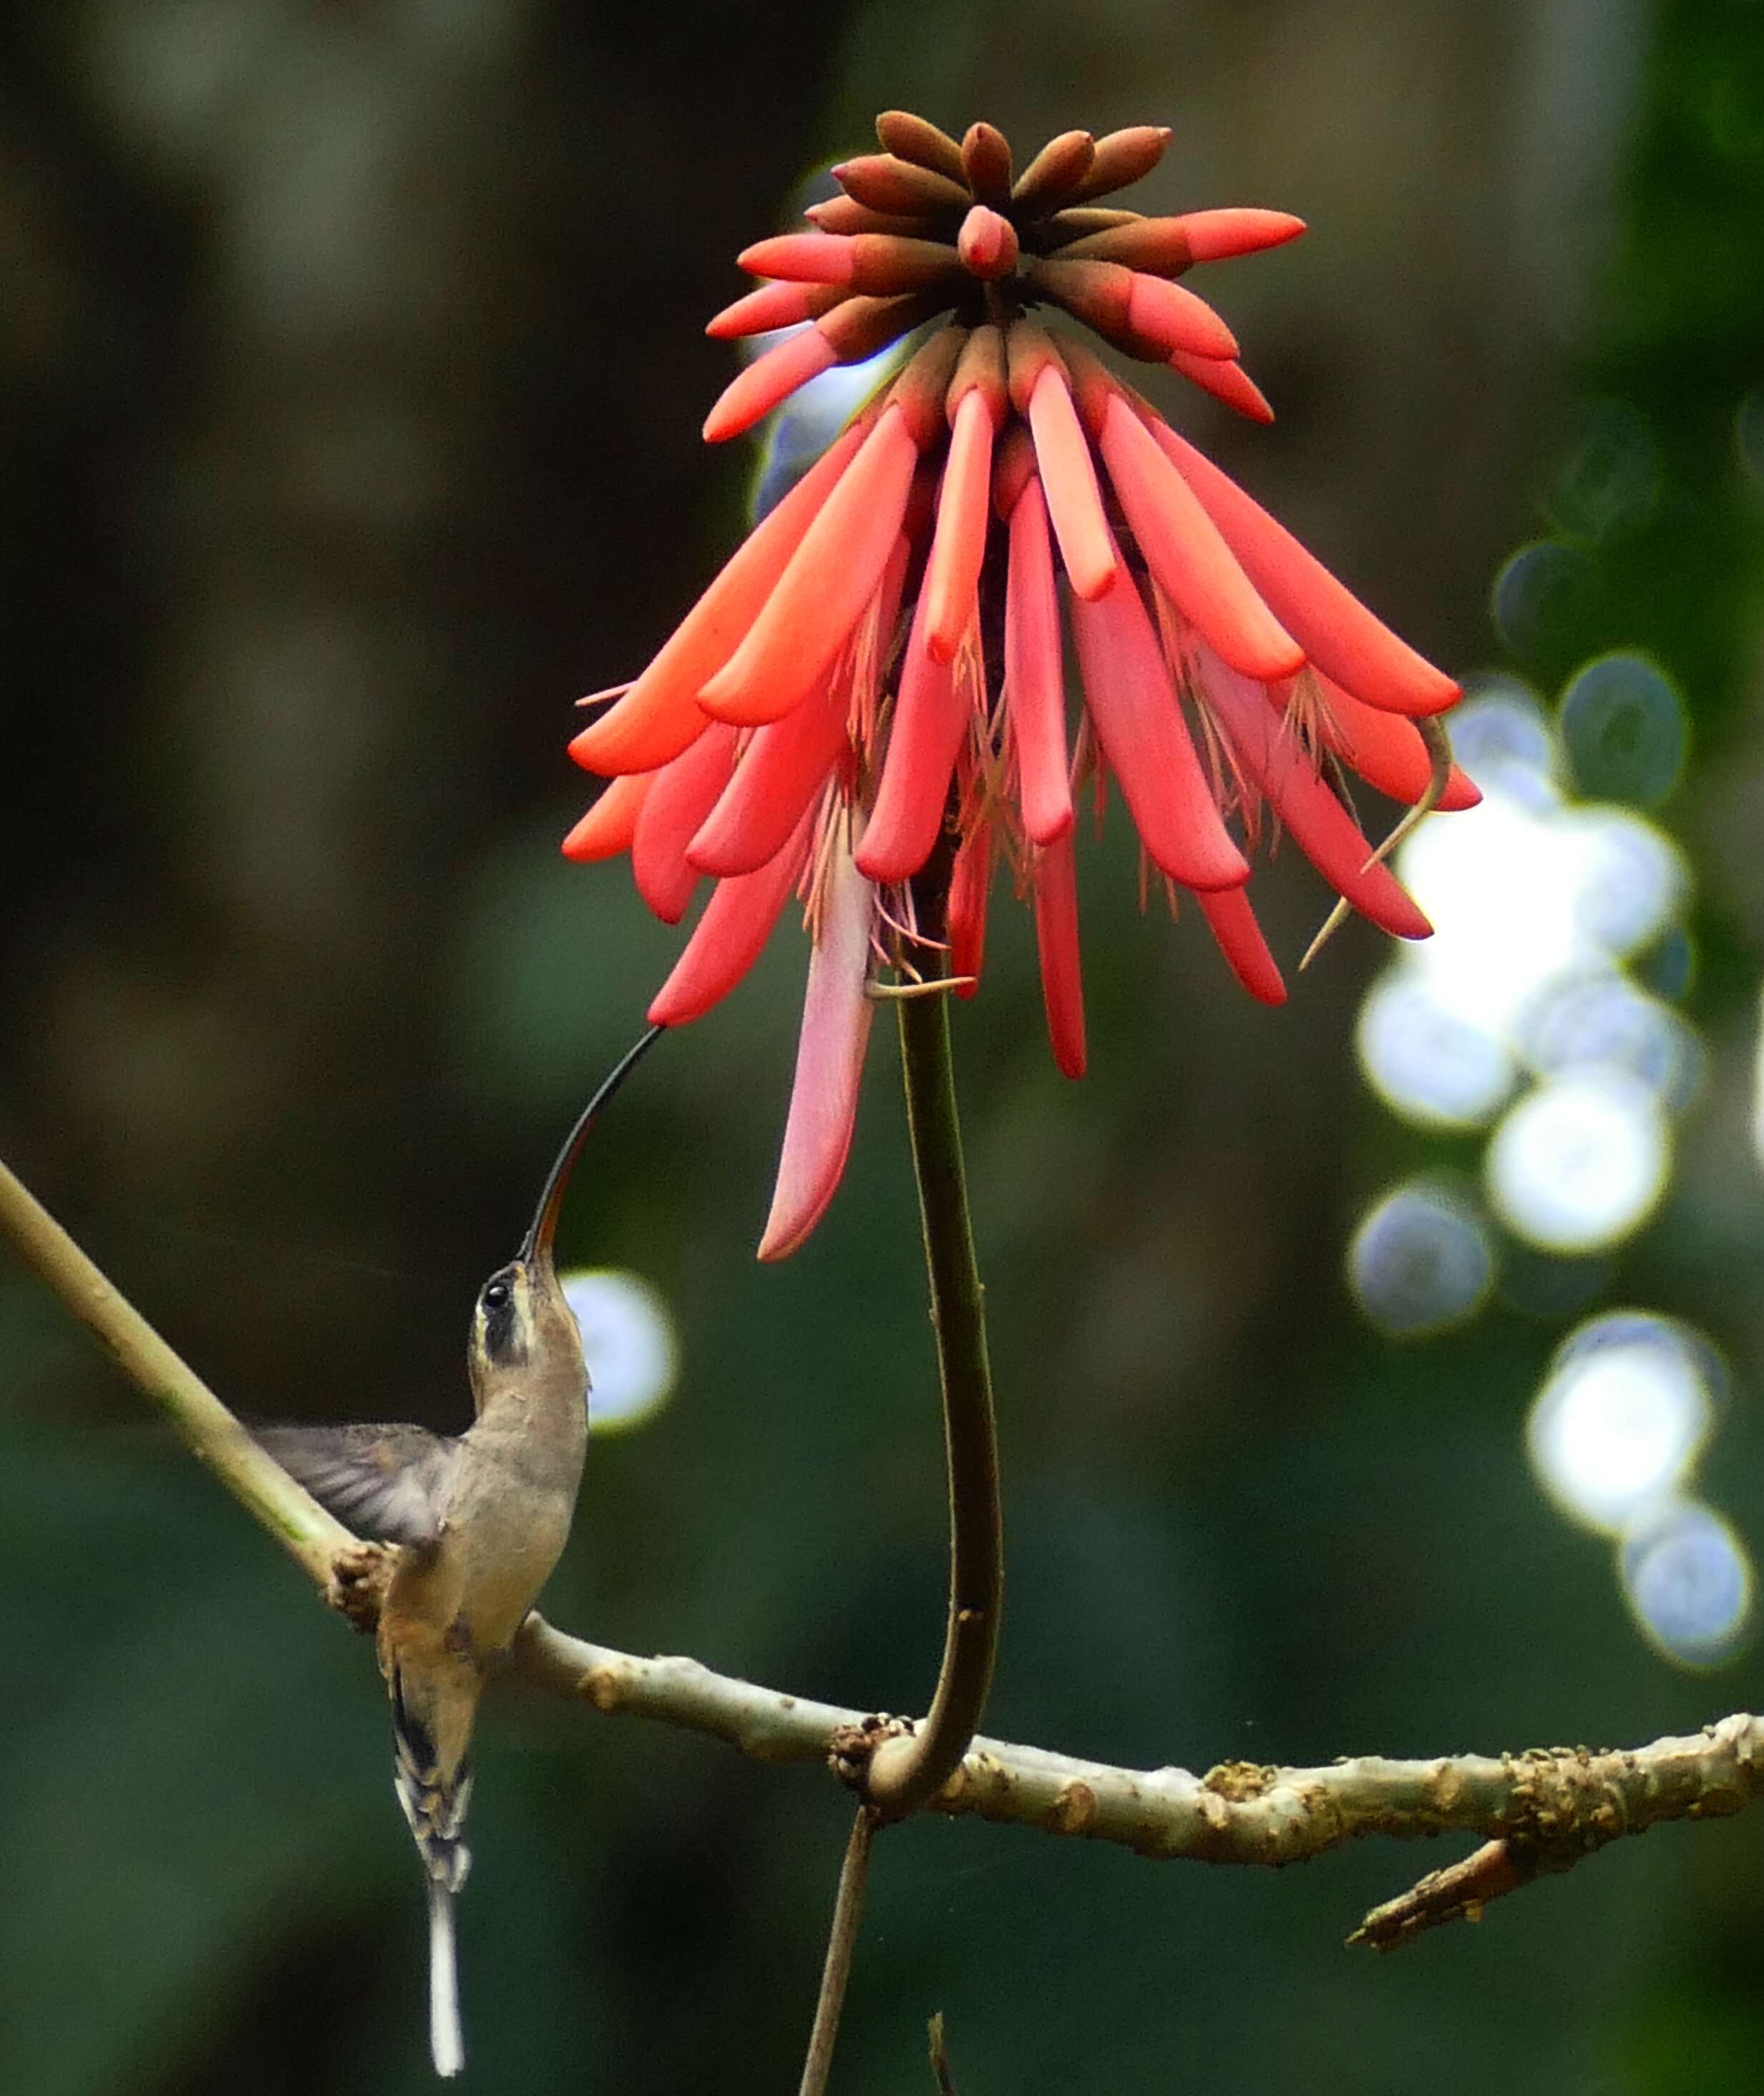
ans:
(782, 768)
(931, 715)
(727, 939)
(660, 715)
(1334, 627)
(768, 379)
(1232, 923)
(1386, 750)
(1319, 826)
(1133, 706)
(821, 594)
(1035, 674)
(1191, 563)
(1068, 478)
(836, 1011)
(610, 825)
(679, 798)
(1056, 881)
(970, 883)
(1225, 381)
(952, 576)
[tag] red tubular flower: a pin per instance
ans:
(867, 707)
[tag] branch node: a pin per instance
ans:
(850, 1748)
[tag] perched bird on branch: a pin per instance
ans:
(478, 1520)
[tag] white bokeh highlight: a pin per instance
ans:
(1519, 1013)
(1580, 1162)
(628, 1342)
(1623, 1415)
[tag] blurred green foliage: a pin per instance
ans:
(356, 373)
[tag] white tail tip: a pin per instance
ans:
(446, 2040)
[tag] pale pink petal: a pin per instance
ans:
(836, 1011)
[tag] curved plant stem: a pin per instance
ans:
(296, 1520)
(841, 1941)
(905, 1773)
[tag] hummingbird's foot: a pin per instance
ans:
(357, 1585)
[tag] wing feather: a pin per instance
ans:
(388, 1483)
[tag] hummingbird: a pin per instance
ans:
(475, 1523)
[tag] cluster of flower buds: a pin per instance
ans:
(868, 704)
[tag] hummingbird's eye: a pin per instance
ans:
(497, 1296)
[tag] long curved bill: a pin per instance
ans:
(537, 1243)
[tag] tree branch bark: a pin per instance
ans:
(1546, 1808)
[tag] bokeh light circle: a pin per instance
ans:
(1623, 1416)
(628, 1342)
(1579, 1161)
(1421, 1261)
(1608, 478)
(1624, 729)
(1688, 1580)
(1543, 598)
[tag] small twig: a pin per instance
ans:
(286, 1510)
(939, 2057)
(841, 1941)
(1459, 1892)
(905, 1771)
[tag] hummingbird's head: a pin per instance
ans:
(522, 1323)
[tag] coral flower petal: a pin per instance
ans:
(970, 883)
(1319, 826)
(1237, 229)
(782, 769)
(931, 714)
(1132, 705)
(1035, 675)
(1174, 318)
(728, 938)
(1074, 501)
(768, 379)
(836, 1011)
(1232, 923)
(801, 258)
(952, 578)
(771, 305)
(1384, 748)
(1333, 627)
(822, 593)
(1193, 565)
(1056, 939)
(660, 715)
(680, 797)
(610, 825)
(1225, 381)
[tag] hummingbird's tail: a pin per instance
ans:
(446, 2040)
(435, 1801)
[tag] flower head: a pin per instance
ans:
(867, 707)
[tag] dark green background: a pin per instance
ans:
(351, 364)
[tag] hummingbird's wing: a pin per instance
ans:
(389, 1484)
